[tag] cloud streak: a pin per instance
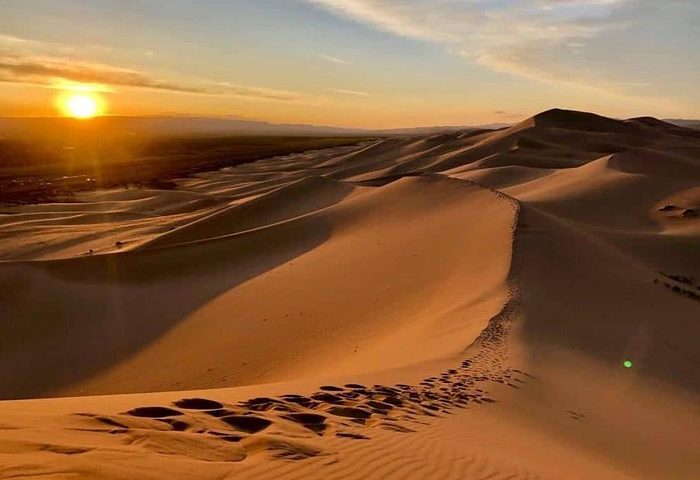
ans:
(12, 40)
(336, 60)
(38, 70)
(344, 91)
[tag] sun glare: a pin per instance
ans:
(82, 105)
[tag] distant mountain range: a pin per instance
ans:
(684, 123)
(139, 126)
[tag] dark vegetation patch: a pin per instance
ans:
(42, 170)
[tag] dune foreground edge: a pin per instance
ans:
(520, 303)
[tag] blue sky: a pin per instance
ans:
(375, 63)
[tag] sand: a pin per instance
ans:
(453, 306)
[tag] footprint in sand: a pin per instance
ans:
(154, 412)
(198, 404)
(312, 421)
(247, 423)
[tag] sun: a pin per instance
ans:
(81, 105)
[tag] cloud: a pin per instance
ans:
(401, 17)
(12, 40)
(45, 71)
(634, 84)
(51, 49)
(532, 39)
(556, 3)
(336, 60)
(37, 70)
(55, 65)
(226, 88)
(355, 93)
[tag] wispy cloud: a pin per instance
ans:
(29, 46)
(227, 88)
(12, 40)
(355, 93)
(45, 71)
(38, 70)
(58, 65)
(634, 84)
(332, 59)
(532, 39)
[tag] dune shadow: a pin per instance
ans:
(66, 320)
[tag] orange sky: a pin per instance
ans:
(362, 63)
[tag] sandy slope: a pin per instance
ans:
(378, 311)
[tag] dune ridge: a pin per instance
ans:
(440, 306)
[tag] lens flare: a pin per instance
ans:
(627, 364)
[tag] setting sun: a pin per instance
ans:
(81, 105)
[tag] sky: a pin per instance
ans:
(358, 63)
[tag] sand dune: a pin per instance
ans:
(441, 306)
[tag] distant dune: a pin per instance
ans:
(465, 304)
